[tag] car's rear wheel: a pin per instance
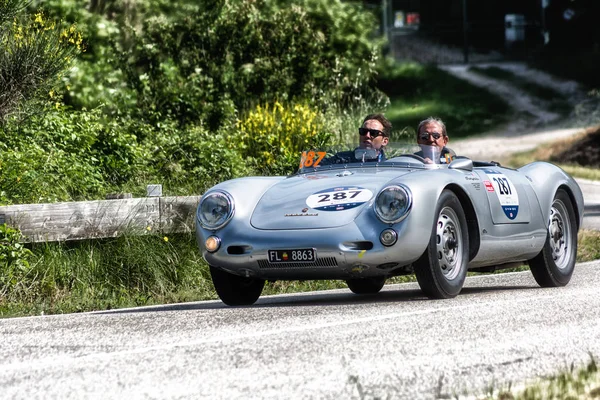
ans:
(236, 290)
(554, 265)
(442, 269)
(366, 285)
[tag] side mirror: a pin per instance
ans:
(465, 164)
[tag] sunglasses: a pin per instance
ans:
(373, 132)
(425, 135)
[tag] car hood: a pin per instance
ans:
(321, 200)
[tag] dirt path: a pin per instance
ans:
(499, 148)
(533, 123)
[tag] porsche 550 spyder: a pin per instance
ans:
(360, 217)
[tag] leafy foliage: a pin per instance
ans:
(8, 10)
(186, 71)
(191, 160)
(64, 156)
(14, 264)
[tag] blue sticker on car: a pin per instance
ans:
(339, 198)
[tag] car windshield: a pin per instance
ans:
(351, 155)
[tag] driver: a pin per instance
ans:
(373, 136)
(375, 133)
(433, 138)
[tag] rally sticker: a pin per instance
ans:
(488, 186)
(506, 192)
(339, 198)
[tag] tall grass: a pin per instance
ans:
(127, 271)
(109, 273)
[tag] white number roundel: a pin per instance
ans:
(506, 192)
(339, 198)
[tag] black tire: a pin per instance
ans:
(442, 269)
(366, 285)
(554, 265)
(236, 290)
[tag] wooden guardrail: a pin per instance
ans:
(101, 218)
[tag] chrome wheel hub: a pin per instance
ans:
(448, 243)
(559, 229)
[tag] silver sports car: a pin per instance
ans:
(363, 215)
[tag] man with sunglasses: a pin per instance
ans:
(375, 133)
(432, 132)
(373, 136)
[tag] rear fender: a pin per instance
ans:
(545, 180)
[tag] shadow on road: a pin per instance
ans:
(325, 299)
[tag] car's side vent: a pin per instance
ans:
(358, 245)
(325, 262)
(238, 250)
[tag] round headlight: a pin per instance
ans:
(393, 204)
(215, 210)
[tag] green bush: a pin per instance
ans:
(66, 155)
(32, 174)
(191, 160)
(165, 109)
(14, 261)
(232, 55)
(94, 79)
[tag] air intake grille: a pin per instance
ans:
(325, 262)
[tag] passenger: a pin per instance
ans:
(432, 137)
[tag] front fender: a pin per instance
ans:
(426, 188)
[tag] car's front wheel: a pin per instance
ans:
(365, 285)
(236, 290)
(442, 269)
(554, 265)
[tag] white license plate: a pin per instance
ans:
(295, 255)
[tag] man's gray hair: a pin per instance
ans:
(432, 120)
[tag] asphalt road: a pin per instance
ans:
(320, 345)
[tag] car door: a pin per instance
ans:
(507, 194)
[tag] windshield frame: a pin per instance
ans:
(345, 156)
